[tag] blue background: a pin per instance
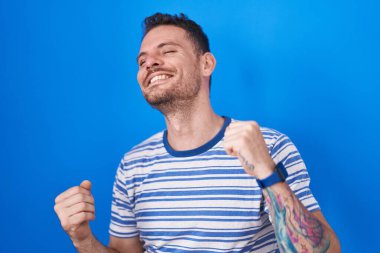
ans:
(70, 104)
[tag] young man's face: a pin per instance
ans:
(169, 69)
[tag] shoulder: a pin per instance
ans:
(273, 138)
(145, 147)
(271, 134)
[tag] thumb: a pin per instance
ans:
(86, 185)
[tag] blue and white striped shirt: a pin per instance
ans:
(199, 200)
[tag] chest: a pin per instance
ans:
(198, 193)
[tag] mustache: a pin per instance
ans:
(154, 69)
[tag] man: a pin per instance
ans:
(206, 184)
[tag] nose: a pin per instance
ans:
(152, 62)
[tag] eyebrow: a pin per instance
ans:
(159, 46)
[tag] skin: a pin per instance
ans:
(184, 101)
(190, 120)
(296, 229)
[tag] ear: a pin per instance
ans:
(208, 64)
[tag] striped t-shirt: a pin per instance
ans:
(199, 200)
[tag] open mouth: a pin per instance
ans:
(159, 79)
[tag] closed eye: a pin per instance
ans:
(169, 51)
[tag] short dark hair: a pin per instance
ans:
(193, 30)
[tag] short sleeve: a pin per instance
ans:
(123, 222)
(284, 151)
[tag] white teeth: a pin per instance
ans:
(160, 77)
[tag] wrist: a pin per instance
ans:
(278, 175)
(264, 171)
(85, 242)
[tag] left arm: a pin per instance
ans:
(296, 229)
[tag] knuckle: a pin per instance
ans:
(65, 225)
(77, 218)
(59, 197)
(246, 137)
(245, 134)
(81, 197)
(83, 206)
(59, 210)
(248, 128)
(83, 217)
(254, 124)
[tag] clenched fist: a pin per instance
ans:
(244, 140)
(75, 208)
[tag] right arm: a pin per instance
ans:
(116, 245)
(75, 208)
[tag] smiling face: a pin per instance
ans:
(169, 73)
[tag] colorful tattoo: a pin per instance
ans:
(296, 229)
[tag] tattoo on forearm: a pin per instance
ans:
(296, 229)
(246, 163)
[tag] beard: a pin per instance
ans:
(179, 97)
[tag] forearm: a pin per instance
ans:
(296, 229)
(92, 245)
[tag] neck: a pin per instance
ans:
(193, 127)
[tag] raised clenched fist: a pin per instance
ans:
(244, 140)
(75, 208)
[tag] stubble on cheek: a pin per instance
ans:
(178, 93)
